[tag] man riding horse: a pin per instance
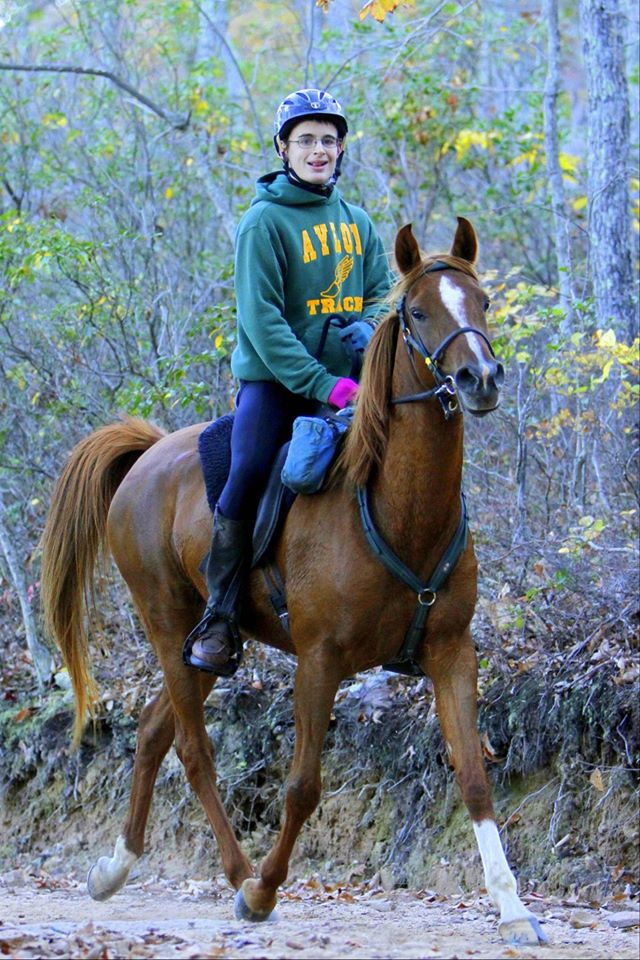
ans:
(310, 272)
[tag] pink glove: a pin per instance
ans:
(343, 393)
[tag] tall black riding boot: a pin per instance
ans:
(214, 644)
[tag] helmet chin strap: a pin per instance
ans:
(322, 189)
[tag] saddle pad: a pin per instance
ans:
(214, 447)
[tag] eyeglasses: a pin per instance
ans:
(307, 140)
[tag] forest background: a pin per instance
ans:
(130, 138)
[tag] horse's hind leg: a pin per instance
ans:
(317, 680)
(452, 666)
(155, 736)
(156, 730)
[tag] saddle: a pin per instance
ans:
(214, 447)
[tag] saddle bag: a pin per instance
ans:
(314, 444)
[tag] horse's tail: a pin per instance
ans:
(74, 540)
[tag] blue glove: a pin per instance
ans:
(355, 338)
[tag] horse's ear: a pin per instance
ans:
(407, 250)
(465, 242)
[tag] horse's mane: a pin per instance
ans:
(366, 440)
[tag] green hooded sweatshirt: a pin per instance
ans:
(301, 257)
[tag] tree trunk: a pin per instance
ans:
(608, 164)
(40, 656)
(554, 171)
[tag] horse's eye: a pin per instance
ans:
(486, 305)
(416, 314)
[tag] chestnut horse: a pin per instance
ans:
(140, 491)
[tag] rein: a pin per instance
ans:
(445, 389)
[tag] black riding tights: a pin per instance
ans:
(264, 417)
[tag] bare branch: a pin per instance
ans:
(180, 123)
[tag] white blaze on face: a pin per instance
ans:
(453, 298)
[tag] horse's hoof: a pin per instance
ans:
(98, 887)
(109, 874)
(525, 931)
(243, 911)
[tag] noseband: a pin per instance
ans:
(446, 388)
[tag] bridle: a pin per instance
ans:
(445, 389)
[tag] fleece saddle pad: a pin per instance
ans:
(214, 447)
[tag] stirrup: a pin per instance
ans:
(235, 657)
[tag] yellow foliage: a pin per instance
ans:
(54, 120)
(38, 257)
(546, 429)
(568, 162)
(380, 8)
(576, 366)
(529, 156)
(606, 339)
(199, 105)
(377, 8)
(466, 139)
(508, 310)
(626, 354)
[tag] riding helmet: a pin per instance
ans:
(318, 104)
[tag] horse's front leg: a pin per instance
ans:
(452, 666)
(316, 684)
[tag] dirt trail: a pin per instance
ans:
(44, 916)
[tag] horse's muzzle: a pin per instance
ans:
(479, 386)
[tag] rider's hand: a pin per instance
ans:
(355, 337)
(343, 393)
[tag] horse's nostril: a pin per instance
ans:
(476, 379)
(467, 379)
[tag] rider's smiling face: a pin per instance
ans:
(315, 163)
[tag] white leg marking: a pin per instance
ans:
(453, 298)
(110, 873)
(501, 885)
(500, 882)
